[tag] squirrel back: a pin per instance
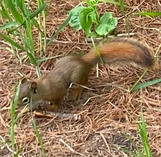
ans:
(121, 50)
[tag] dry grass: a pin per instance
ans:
(110, 114)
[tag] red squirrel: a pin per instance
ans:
(52, 87)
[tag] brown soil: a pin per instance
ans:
(109, 123)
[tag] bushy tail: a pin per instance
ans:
(121, 50)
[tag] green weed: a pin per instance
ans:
(144, 137)
(18, 21)
(39, 137)
(139, 152)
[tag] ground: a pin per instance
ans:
(109, 114)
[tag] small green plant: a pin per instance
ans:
(88, 19)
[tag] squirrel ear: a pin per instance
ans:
(34, 87)
(24, 80)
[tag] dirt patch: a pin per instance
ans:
(111, 114)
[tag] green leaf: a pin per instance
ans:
(5, 13)
(151, 14)
(146, 84)
(107, 24)
(29, 38)
(93, 34)
(74, 21)
(24, 9)
(36, 24)
(106, 17)
(94, 16)
(9, 25)
(14, 11)
(27, 13)
(12, 42)
(19, 3)
(102, 29)
(86, 19)
(32, 58)
(35, 13)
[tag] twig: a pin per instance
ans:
(69, 147)
(3, 140)
(129, 13)
(85, 87)
(105, 142)
(92, 98)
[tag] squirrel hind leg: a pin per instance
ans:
(77, 92)
(55, 105)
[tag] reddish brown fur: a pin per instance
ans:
(119, 50)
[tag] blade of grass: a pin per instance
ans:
(146, 84)
(16, 154)
(9, 25)
(60, 29)
(122, 6)
(145, 71)
(39, 137)
(44, 27)
(32, 58)
(38, 71)
(29, 35)
(5, 13)
(151, 14)
(42, 20)
(40, 35)
(97, 51)
(13, 43)
(20, 4)
(47, 58)
(144, 136)
(21, 113)
(35, 13)
(13, 109)
(27, 14)
(18, 17)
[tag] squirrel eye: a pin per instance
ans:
(25, 100)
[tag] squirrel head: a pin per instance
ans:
(28, 93)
